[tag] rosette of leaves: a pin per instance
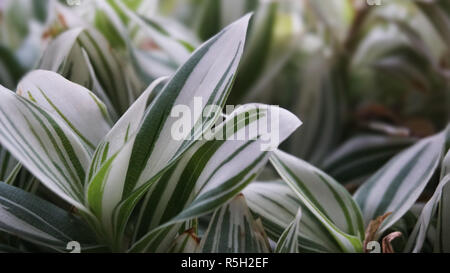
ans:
(131, 186)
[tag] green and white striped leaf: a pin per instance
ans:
(443, 234)
(438, 202)
(127, 28)
(112, 23)
(125, 127)
(33, 219)
(177, 49)
(330, 203)
(274, 203)
(275, 33)
(227, 165)
(76, 106)
(218, 157)
(419, 234)
(233, 230)
(45, 145)
(83, 56)
(109, 23)
(399, 183)
(363, 155)
(205, 79)
(288, 242)
(277, 205)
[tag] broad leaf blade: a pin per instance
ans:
(443, 234)
(204, 80)
(277, 205)
(179, 51)
(46, 146)
(363, 155)
(327, 200)
(397, 186)
(218, 170)
(76, 106)
(85, 57)
(418, 236)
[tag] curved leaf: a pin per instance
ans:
(277, 205)
(76, 106)
(330, 203)
(227, 166)
(205, 79)
(45, 145)
(397, 186)
(83, 55)
(288, 242)
(362, 156)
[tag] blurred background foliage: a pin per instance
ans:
(367, 78)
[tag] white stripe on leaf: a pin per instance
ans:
(288, 242)
(233, 230)
(46, 146)
(73, 104)
(399, 183)
(329, 202)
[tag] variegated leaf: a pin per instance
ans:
(229, 164)
(204, 80)
(363, 155)
(83, 56)
(288, 242)
(126, 127)
(418, 236)
(399, 183)
(178, 50)
(45, 145)
(217, 157)
(76, 106)
(442, 243)
(330, 203)
(276, 205)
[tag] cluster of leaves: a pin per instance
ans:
(87, 153)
